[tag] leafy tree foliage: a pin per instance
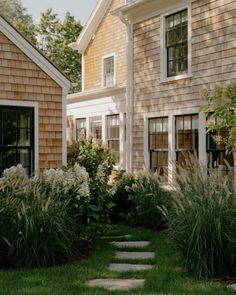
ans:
(54, 38)
(17, 15)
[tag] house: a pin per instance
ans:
(32, 105)
(99, 110)
(179, 49)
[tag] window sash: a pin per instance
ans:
(17, 137)
(177, 43)
(80, 128)
(108, 71)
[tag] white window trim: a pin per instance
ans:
(171, 136)
(34, 105)
(102, 69)
(163, 55)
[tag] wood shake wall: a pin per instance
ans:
(109, 38)
(22, 80)
(213, 62)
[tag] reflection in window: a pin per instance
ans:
(177, 43)
(16, 137)
(80, 128)
(96, 129)
(113, 134)
(217, 155)
(186, 131)
(158, 145)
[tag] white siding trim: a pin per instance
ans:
(34, 105)
(64, 128)
(82, 71)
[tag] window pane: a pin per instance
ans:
(80, 128)
(24, 119)
(23, 157)
(109, 71)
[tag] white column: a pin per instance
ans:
(171, 148)
(122, 140)
(202, 139)
(104, 128)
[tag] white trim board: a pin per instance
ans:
(34, 105)
(14, 36)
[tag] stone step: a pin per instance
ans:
(131, 244)
(116, 284)
(116, 237)
(232, 286)
(120, 267)
(134, 255)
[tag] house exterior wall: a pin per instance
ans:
(109, 38)
(22, 80)
(213, 62)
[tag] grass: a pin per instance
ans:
(167, 278)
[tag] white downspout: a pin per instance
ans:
(129, 91)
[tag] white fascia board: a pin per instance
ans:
(144, 9)
(14, 36)
(91, 26)
(92, 94)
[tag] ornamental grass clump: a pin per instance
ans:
(202, 221)
(38, 216)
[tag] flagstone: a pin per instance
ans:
(121, 267)
(116, 284)
(134, 255)
(131, 244)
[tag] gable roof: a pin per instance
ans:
(33, 53)
(91, 25)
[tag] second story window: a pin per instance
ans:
(176, 43)
(108, 71)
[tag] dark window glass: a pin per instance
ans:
(96, 129)
(80, 128)
(158, 146)
(186, 131)
(113, 134)
(177, 43)
(16, 137)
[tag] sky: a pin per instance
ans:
(80, 9)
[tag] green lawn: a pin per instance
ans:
(166, 278)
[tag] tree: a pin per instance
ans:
(221, 104)
(17, 15)
(54, 39)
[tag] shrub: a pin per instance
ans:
(35, 227)
(120, 196)
(40, 217)
(98, 161)
(148, 200)
(202, 221)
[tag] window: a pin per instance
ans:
(16, 137)
(108, 71)
(113, 134)
(186, 131)
(176, 43)
(80, 128)
(158, 145)
(96, 127)
(217, 157)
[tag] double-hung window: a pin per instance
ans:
(158, 145)
(186, 131)
(108, 71)
(113, 134)
(96, 127)
(176, 43)
(17, 137)
(80, 128)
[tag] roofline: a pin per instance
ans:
(95, 93)
(91, 26)
(33, 53)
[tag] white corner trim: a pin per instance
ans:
(82, 72)
(163, 55)
(64, 128)
(91, 25)
(102, 69)
(34, 105)
(33, 53)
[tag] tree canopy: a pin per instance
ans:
(50, 35)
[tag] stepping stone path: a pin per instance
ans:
(233, 286)
(125, 284)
